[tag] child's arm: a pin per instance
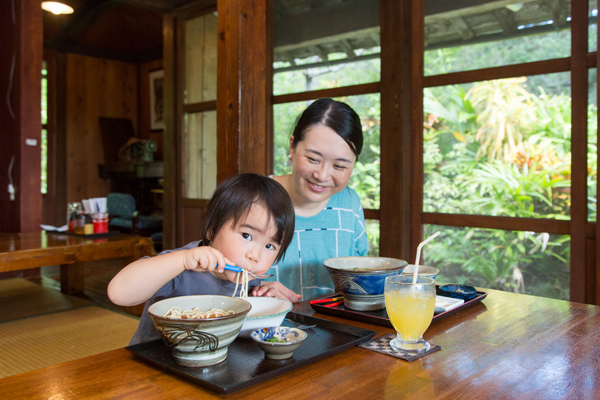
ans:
(141, 279)
(275, 289)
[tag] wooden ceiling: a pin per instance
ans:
(126, 30)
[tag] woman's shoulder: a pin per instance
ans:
(346, 197)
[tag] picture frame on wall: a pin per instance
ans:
(156, 85)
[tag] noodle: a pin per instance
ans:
(195, 313)
(244, 287)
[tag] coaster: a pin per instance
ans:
(382, 345)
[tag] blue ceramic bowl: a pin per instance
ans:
(458, 291)
(361, 280)
(290, 340)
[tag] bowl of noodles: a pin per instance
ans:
(199, 329)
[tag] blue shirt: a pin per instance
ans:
(337, 231)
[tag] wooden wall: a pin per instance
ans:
(144, 106)
(95, 88)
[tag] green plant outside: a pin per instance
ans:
(499, 148)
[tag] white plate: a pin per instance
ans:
(443, 304)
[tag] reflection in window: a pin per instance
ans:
(524, 262)
(593, 26)
(44, 137)
(201, 59)
(460, 39)
(592, 148)
(499, 148)
(323, 44)
(200, 154)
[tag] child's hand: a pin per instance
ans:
(275, 289)
(204, 258)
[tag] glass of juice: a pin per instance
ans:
(410, 307)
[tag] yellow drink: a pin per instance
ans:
(410, 313)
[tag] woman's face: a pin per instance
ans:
(322, 165)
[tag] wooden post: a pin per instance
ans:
(401, 132)
(20, 113)
(244, 87)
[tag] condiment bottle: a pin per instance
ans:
(88, 227)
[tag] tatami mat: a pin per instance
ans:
(21, 298)
(38, 342)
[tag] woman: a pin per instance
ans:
(324, 147)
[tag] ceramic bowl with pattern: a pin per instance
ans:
(427, 272)
(288, 340)
(361, 280)
(199, 342)
(266, 311)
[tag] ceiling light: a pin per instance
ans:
(57, 8)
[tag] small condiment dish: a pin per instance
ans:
(289, 340)
(463, 292)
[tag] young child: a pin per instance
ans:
(249, 222)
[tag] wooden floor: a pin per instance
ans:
(97, 276)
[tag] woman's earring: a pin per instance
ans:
(289, 161)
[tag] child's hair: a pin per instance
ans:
(234, 198)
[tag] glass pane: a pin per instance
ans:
(507, 32)
(593, 25)
(44, 148)
(499, 147)
(44, 93)
(365, 177)
(592, 160)
(199, 150)
(373, 235)
(322, 44)
(524, 262)
(201, 59)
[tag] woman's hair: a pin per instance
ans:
(234, 198)
(338, 116)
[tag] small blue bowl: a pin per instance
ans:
(463, 292)
(291, 339)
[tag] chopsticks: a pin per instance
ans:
(333, 301)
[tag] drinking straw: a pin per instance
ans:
(423, 243)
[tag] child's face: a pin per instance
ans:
(250, 244)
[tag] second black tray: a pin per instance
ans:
(380, 317)
(246, 364)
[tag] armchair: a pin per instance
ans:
(124, 216)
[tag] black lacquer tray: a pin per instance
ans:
(246, 364)
(380, 317)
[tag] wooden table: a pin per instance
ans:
(38, 249)
(509, 346)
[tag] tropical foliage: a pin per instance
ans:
(498, 148)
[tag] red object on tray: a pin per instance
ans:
(328, 305)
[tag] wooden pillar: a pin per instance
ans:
(401, 132)
(170, 134)
(581, 284)
(20, 113)
(244, 87)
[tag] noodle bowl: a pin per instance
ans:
(199, 341)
